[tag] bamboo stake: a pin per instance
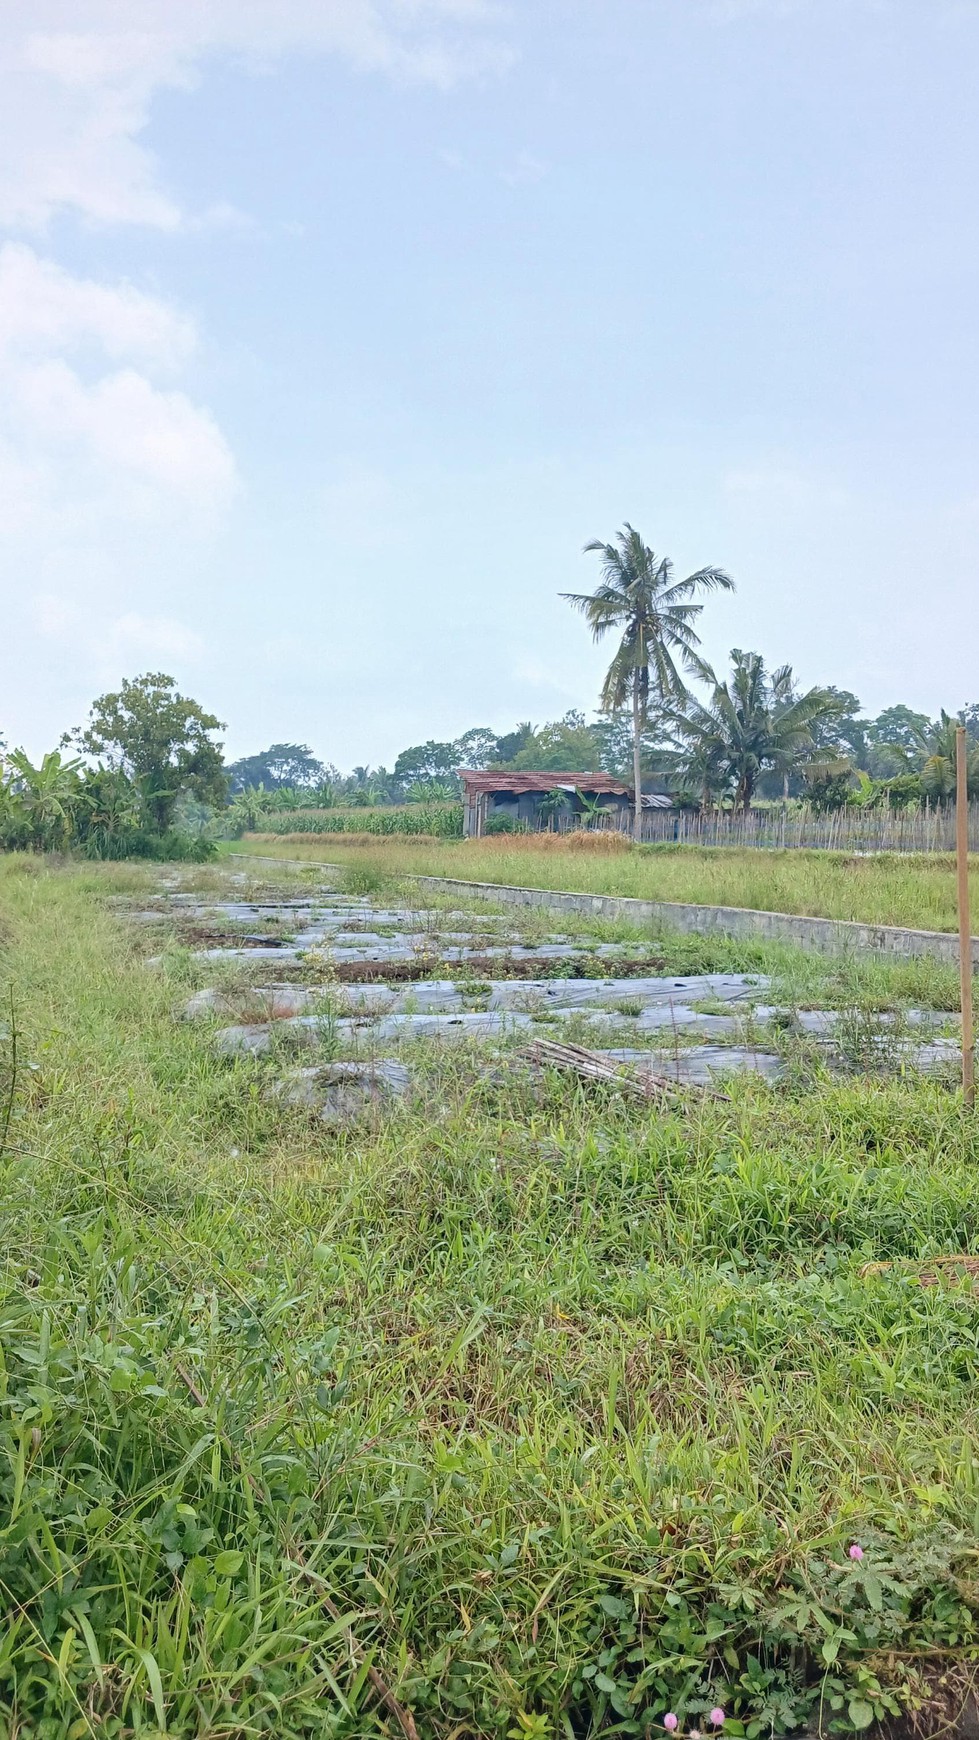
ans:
(965, 920)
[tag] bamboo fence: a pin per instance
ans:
(928, 829)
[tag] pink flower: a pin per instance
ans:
(671, 1722)
(717, 1717)
(856, 1551)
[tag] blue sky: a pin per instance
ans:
(330, 330)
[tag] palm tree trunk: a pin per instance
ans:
(636, 759)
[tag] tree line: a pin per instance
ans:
(751, 734)
(749, 740)
(145, 774)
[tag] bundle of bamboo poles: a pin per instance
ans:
(591, 1066)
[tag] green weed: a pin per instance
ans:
(555, 1411)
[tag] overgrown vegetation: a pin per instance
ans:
(902, 889)
(160, 758)
(523, 1413)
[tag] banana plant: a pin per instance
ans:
(111, 806)
(593, 811)
(48, 796)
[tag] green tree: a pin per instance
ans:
(566, 745)
(613, 733)
(654, 614)
(899, 725)
(553, 804)
(292, 764)
(478, 747)
(843, 733)
(512, 742)
(427, 765)
(895, 739)
(162, 740)
(751, 722)
(827, 791)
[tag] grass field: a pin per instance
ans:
(523, 1414)
(917, 891)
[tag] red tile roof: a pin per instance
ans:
(498, 779)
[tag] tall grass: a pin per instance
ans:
(525, 1413)
(917, 891)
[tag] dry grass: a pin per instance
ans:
(915, 890)
(603, 842)
(323, 842)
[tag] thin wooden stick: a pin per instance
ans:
(965, 917)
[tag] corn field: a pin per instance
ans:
(444, 821)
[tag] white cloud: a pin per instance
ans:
(525, 170)
(43, 308)
(78, 77)
(65, 406)
(115, 641)
(129, 425)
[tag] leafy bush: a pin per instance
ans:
(501, 822)
(830, 793)
(173, 846)
(904, 792)
(366, 878)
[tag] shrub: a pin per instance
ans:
(366, 878)
(173, 846)
(501, 822)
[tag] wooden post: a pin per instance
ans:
(965, 918)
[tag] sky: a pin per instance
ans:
(331, 330)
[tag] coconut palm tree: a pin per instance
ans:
(933, 758)
(752, 722)
(939, 748)
(655, 615)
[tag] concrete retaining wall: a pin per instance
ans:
(828, 935)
